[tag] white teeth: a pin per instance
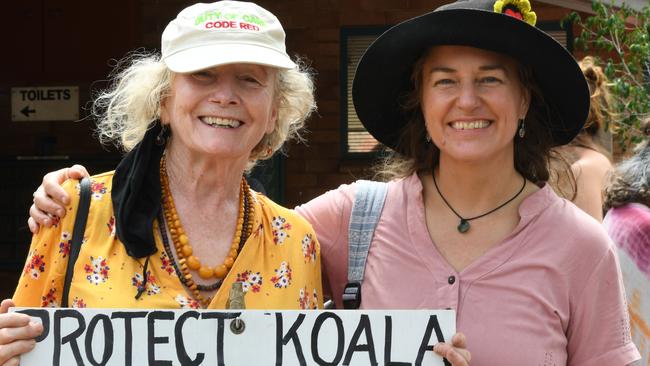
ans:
(221, 122)
(469, 125)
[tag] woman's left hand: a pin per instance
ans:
(456, 352)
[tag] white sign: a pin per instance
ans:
(47, 103)
(213, 337)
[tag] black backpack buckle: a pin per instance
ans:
(352, 295)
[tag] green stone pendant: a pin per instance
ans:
(463, 227)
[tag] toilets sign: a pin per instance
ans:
(239, 337)
(46, 103)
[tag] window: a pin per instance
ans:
(354, 41)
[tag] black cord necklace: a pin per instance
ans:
(463, 226)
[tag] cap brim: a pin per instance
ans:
(199, 58)
(383, 75)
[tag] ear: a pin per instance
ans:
(167, 102)
(164, 112)
(273, 119)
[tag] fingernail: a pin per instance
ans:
(60, 212)
(64, 199)
(46, 222)
(435, 347)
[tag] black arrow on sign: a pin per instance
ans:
(26, 111)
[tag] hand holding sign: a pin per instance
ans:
(456, 352)
(17, 333)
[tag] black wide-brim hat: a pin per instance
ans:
(383, 75)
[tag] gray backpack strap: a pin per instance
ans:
(368, 203)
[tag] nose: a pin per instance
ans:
(224, 92)
(468, 97)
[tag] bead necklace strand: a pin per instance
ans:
(187, 261)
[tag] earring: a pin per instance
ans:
(427, 138)
(161, 139)
(522, 128)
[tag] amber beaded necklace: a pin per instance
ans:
(187, 261)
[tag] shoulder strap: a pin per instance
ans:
(77, 236)
(368, 203)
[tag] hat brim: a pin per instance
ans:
(383, 75)
(200, 58)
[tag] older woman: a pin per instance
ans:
(176, 223)
(472, 97)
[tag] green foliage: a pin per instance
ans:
(621, 37)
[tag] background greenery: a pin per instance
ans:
(620, 37)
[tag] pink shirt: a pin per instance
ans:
(629, 227)
(549, 294)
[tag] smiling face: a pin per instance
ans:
(223, 111)
(472, 101)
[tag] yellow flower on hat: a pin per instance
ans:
(519, 9)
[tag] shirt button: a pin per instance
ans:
(451, 280)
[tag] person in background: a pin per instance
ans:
(627, 201)
(176, 224)
(590, 161)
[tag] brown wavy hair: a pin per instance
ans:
(533, 153)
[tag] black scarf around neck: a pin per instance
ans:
(136, 195)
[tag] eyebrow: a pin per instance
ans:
(493, 67)
(481, 68)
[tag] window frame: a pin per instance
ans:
(347, 32)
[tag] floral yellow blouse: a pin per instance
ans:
(279, 265)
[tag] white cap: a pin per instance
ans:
(224, 32)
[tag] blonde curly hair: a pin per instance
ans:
(132, 103)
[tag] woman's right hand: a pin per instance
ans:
(17, 333)
(50, 199)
